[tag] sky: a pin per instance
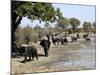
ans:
(81, 12)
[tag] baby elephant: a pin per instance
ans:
(31, 52)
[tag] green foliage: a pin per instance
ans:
(58, 13)
(74, 23)
(22, 8)
(63, 22)
(41, 11)
(87, 26)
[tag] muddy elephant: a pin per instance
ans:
(29, 52)
(46, 45)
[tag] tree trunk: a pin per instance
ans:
(15, 21)
(73, 29)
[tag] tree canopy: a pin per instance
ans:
(87, 26)
(74, 23)
(63, 22)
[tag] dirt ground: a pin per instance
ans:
(72, 57)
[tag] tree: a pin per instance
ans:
(87, 26)
(63, 22)
(74, 23)
(41, 11)
(58, 13)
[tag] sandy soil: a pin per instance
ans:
(72, 57)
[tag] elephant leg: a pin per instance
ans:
(54, 43)
(26, 54)
(30, 54)
(57, 43)
(29, 57)
(46, 52)
(61, 42)
(36, 56)
(25, 58)
(32, 57)
(72, 39)
(76, 39)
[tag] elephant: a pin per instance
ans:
(55, 39)
(85, 35)
(74, 39)
(29, 51)
(87, 39)
(64, 41)
(46, 45)
(60, 37)
(78, 36)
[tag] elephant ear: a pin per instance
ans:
(42, 43)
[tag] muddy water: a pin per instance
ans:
(83, 59)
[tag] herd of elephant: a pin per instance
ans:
(30, 51)
(65, 38)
